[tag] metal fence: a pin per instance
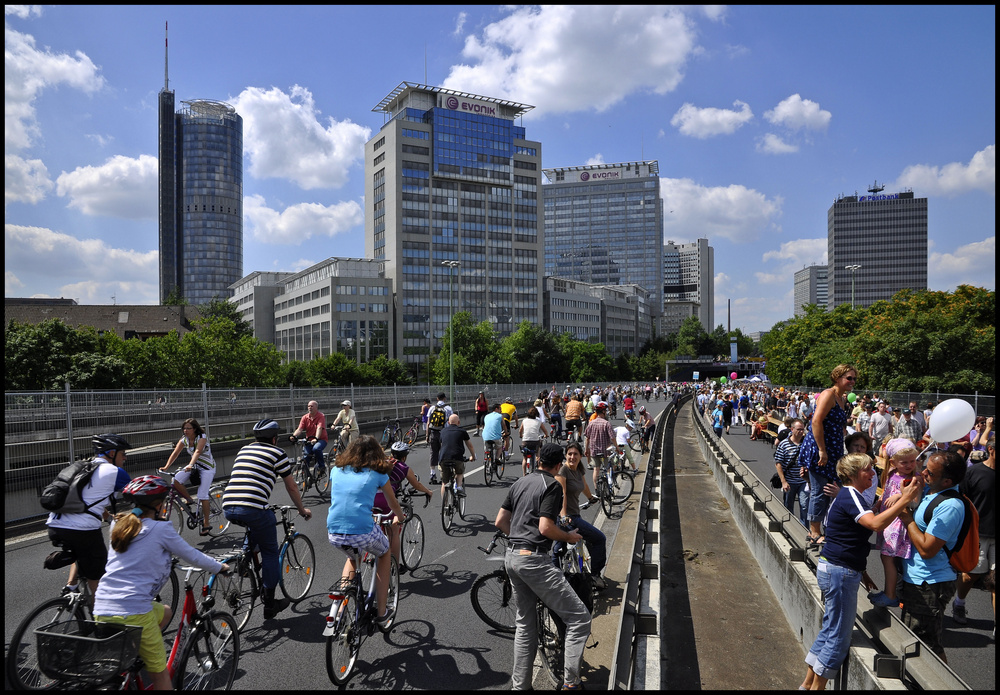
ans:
(46, 430)
(983, 404)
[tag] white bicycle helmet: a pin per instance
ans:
(399, 449)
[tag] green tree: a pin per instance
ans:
(805, 350)
(534, 355)
(40, 356)
(223, 309)
(479, 357)
(588, 362)
(336, 369)
(295, 372)
(382, 371)
(690, 338)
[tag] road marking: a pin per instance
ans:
(453, 550)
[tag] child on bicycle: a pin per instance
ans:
(399, 472)
(138, 565)
(355, 477)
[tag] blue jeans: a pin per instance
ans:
(317, 448)
(263, 534)
(818, 501)
(556, 419)
(840, 606)
(798, 491)
(597, 543)
(534, 577)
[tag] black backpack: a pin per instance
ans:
(64, 495)
(437, 419)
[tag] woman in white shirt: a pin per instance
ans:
(531, 431)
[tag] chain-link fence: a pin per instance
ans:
(46, 430)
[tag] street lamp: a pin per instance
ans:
(451, 329)
(853, 269)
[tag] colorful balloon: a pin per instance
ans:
(722, 379)
(952, 419)
(851, 397)
(733, 375)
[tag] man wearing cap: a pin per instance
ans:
(908, 426)
(349, 419)
(599, 435)
(530, 517)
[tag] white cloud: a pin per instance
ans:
(11, 284)
(734, 212)
(25, 180)
(23, 11)
(595, 160)
(121, 187)
(952, 179)
(773, 144)
(568, 58)
(800, 252)
(82, 264)
(284, 138)
(707, 122)
(300, 222)
(796, 113)
(27, 72)
(971, 264)
(459, 23)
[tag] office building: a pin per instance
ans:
(604, 224)
(452, 194)
(619, 316)
(688, 285)
(338, 305)
(200, 198)
(810, 287)
(876, 246)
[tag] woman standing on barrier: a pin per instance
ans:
(824, 444)
(843, 561)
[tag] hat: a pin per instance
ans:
(977, 456)
(551, 454)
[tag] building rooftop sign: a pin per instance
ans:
(453, 100)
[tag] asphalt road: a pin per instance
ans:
(438, 641)
(971, 648)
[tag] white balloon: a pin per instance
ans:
(951, 420)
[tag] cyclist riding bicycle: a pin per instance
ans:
(80, 532)
(574, 416)
(357, 474)
(399, 472)
(141, 550)
(452, 463)
(509, 411)
(195, 441)
(493, 431)
(628, 403)
(313, 427)
(255, 470)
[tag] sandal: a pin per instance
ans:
(205, 530)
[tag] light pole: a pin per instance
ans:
(853, 269)
(451, 329)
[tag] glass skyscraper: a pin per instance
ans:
(604, 225)
(883, 238)
(453, 209)
(200, 199)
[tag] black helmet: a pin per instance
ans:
(266, 428)
(109, 442)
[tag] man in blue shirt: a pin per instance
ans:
(493, 431)
(928, 577)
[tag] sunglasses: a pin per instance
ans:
(850, 378)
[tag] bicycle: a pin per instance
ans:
(615, 483)
(354, 612)
(413, 433)
(240, 591)
(530, 458)
(492, 463)
(635, 440)
(306, 471)
(204, 656)
(411, 535)
(507, 446)
(71, 607)
(493, 594)
(179, 514)
(390, 434)
(336, 445)
(451, 502)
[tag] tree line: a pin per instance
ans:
(925, 341)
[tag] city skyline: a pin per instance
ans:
(759, 117)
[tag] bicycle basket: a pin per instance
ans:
(86, 651)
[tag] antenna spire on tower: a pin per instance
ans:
(166, 80)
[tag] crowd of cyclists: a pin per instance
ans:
(365, 479)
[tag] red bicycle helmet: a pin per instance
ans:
(146, 488)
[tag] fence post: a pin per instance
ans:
(69, 425)
(395, 397)
(204, 403)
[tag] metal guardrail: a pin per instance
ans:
(904, 656)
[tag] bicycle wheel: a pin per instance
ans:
(635, 441)
(411, 436)
(447, 510)
(175, 513)
(298, 565)
(605, 495)
(237, 592)
(216, 515)
(488, 469)
(461, 506)
(300, 474)
(622, 487)
(22, 657)
(411, 543)
(499, 463)
(211, 656)
(551, 642)
(392, 599)
(322, 481)
(169, 594)
(342, 646)
(493, 600)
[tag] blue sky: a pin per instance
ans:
(759, 117)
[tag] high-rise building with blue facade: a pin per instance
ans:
(453, 208)
(604, 225)
(200, 198)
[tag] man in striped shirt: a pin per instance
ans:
(255, 470)
(599, 435)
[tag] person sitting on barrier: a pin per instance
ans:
(841, 566)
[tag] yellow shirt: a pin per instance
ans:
(508, 410)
